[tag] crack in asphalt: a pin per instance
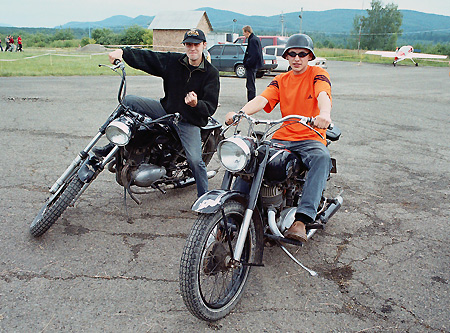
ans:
(28, 276)
(46, 134)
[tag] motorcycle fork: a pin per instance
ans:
(253, 197)
(101, 167)
(75, 163)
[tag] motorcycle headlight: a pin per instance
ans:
(235, 153)
(118, 133)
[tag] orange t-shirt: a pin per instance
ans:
(297, 94)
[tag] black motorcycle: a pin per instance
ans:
(147, 155)
(228, 237)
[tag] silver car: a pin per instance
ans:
(283, 64)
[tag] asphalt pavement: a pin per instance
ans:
(383, 260)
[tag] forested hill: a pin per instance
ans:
(335, 23)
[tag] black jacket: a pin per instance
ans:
(179, 78)
(253, 57)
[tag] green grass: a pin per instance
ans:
(69, 62)
(54, 62)
(353, 55)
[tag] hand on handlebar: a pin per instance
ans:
(229, 118)
(321, 121)
(115, 55)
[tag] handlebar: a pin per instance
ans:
(305, 121)
(123, 84)
(302, 119)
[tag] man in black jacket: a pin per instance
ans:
(191, 88)
(253, 60)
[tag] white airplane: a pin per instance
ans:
(406, 52)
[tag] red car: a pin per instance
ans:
(265, 40)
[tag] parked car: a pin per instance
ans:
(230, 57)
(265, 40)
(283, 64)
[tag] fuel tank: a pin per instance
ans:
(280, 166)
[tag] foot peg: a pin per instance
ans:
(314, 226)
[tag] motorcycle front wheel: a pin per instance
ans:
(210, 286)
(53, 209)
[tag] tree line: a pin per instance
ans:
(46, 37)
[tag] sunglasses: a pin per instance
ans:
(300, 54)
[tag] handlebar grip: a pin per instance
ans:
(311, 122)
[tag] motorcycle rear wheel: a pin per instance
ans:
(209, 148)
(52, 210)
(209, 286)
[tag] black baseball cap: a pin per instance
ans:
(194, 36)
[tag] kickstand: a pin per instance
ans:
(310, 271)
(129, 220)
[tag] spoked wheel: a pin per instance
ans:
(209, 148)
(210, 285)
(53, 209)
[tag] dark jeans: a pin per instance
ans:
(250, 85)
(189, 134)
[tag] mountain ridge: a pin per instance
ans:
(331, 22)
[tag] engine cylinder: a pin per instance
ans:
(271, 196)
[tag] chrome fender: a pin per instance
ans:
(211, 201)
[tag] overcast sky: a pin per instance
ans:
(51, 13)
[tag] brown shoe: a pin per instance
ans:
(297, 231)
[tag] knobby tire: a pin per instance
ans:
(52, 211)
(209, 289)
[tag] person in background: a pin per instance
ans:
(11, 43)
(19, 44)
(1, 48)
(7, 43)
(253, 60)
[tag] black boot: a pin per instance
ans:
(103, 151)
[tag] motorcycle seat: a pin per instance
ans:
(212, 124)
(333, 134)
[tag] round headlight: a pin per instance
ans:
(118, 133)
(234, 153)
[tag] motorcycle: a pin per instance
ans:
(232, 227)
(147, 155)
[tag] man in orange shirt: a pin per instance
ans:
(305, 90)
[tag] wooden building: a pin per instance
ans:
(169, 28)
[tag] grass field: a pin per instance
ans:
(55, 62)
(69, 62)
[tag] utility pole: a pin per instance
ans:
(282, 24)
(359, 40)
(301, 20)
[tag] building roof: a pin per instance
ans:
(173, 20)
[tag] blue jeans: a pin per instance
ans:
(316, 157)
(189, 134)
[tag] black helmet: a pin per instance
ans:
(299, 41)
